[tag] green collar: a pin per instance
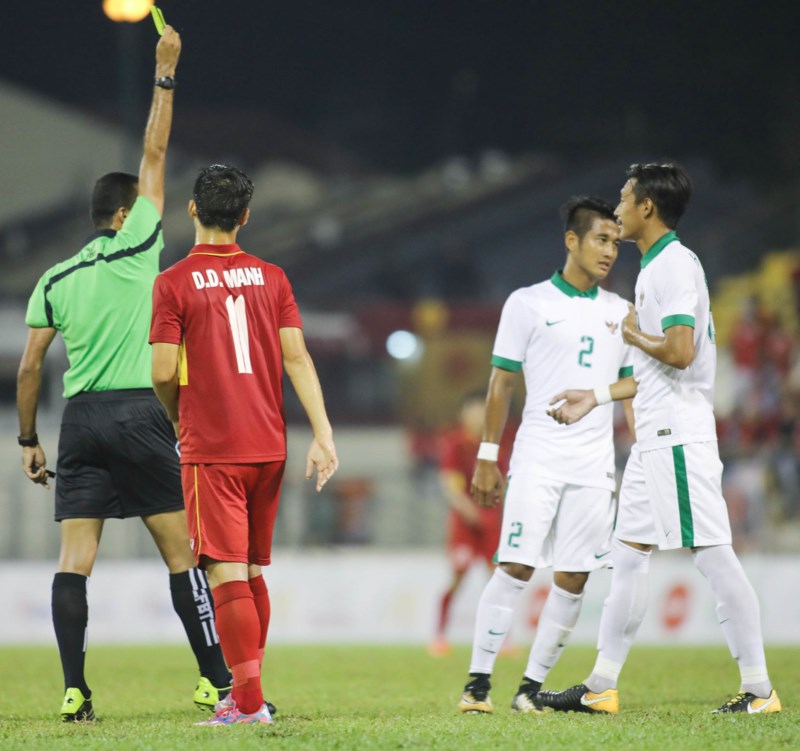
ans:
(569, 290)
(658, 246)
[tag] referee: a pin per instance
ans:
(116, 450)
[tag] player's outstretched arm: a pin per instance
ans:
(300, 369)
(488, 483)
(574, 404)
(159, 123)
(29, 383)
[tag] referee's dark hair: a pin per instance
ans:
(222, 194)
(668, 186)
(579, 212)
(114, 191)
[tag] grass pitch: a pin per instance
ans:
(359, 697)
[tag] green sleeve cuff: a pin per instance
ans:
(506, 364)
(626, 372)
(678, 320)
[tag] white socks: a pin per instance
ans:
(739, 614)
(495, 613)
(623, 612)
(558, 618)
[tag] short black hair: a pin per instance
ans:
(222, 194)
(113, 191)
(667, 185)
(579, 212)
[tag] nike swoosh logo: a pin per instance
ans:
(588, 702)
(750, 709)
(602, 555)
(553, 323)
(496, 633)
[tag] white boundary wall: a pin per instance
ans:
(381, 597)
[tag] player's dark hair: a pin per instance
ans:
(113, 191)
(579, 212)
(222, 194)
(668, 186)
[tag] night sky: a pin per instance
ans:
(401, 85)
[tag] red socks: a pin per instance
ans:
(239, 627)
(261, 598)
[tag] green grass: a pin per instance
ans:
(391, 698)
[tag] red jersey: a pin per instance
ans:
(225, 309)
(459, 453)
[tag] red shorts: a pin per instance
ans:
(231, 509)
(467, 543)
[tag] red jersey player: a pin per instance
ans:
(225, 326)
(473, 531)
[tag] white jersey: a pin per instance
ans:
(560, 336)
(673, 406)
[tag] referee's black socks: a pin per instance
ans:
(191, 598)
(70, 617)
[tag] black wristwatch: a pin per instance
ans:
(28, 443)
(165, 82)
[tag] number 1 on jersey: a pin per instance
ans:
(237, 317)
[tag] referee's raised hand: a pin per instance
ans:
(168, 50)
(322, 456)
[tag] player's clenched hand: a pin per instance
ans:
(570, 406)
(322, 456)
(34, 465)
(168, 50)
(488, 484)
(630, 325)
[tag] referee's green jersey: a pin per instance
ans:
(101, 300)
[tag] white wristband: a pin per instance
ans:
(602, 394)
(488, 451)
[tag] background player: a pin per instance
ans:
(671, 493)
(225, 325)
(559, 505)
(116, 453)
(472, 530)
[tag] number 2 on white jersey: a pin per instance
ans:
(237, 317)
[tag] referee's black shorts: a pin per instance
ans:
(116, 457)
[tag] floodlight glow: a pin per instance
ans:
(127, 10)
(403, 345)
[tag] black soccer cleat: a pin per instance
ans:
(750, 704)
(76, 707)
(580, 699)
(527, 698)
(476, 699)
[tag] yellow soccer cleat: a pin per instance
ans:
(476, 699)
(76, 707)
(750, 703)
(580, 699)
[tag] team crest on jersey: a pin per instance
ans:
(612, 327)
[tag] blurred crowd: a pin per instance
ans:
(758, 430)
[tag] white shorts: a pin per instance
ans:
(552, 523)
(672, 497)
